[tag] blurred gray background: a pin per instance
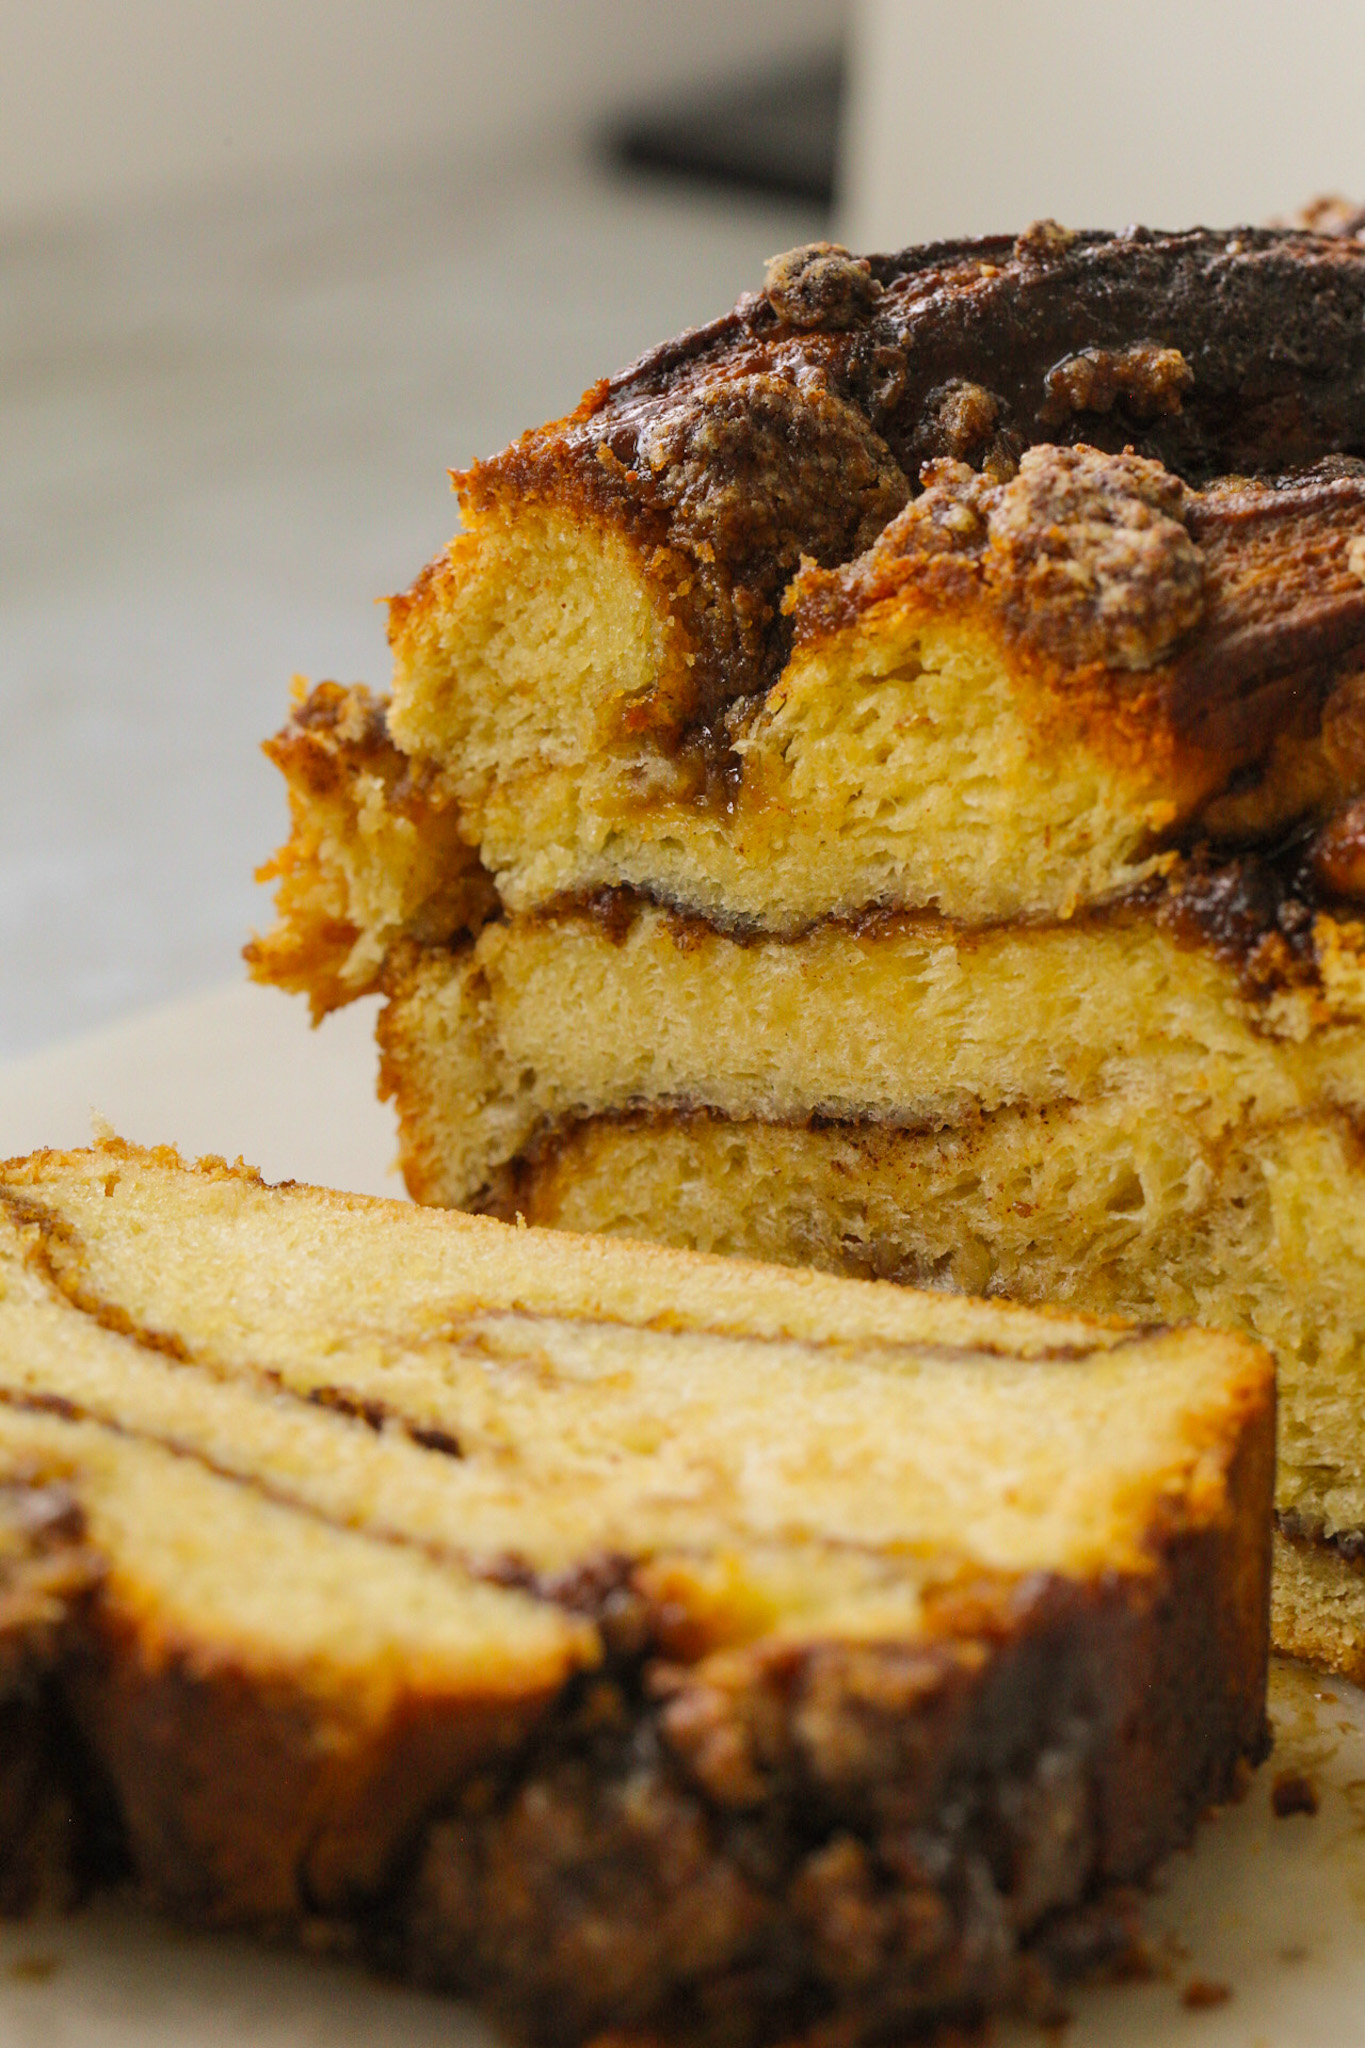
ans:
(268, 268)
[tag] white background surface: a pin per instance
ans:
(235, 1071)
(107, 98)
(987, 114)
(226, 425)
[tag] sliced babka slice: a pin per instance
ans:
(605, 1630)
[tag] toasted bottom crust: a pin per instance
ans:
(856, 1835)
(870, 1835)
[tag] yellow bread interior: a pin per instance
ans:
(941, 734)
(1318, 1608)
(406, 1580)
(374, 855)
(549, 1019)
(1000, 709)
(257, 1541)
(1096, 1115)
(370, 1371)
(1109, 1206)
(903, 760)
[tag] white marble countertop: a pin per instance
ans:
(226, 428)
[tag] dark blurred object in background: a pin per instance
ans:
(775, 131)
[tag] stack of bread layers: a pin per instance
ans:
(880, 786)
(633, 1639)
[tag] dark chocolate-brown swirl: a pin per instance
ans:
(799, 421)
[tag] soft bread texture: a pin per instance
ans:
(929, 739)
(383, 1577)
(1318, 1605)
(927, 743)
(375, 855)
(1106, 1206)
(1099, 1115)
(907, 1021)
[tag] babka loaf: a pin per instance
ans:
(628, 1637)
(897, 759)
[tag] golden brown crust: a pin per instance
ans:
(1177, 643)
(1095, 561)
(1058, 1739)
(375, 843)
(1204, 648)
(1182, 663)
(1145, 379)
(234, 1807)
(1049, 1750)
(56, 1833)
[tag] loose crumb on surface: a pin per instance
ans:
(34, 1969)
(1292, 1792)
(1201, 1993)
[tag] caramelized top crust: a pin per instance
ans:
(1217, 623)
(797, 424)
(1270, 324)
(1198, 655)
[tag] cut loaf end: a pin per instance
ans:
(627, 1637)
